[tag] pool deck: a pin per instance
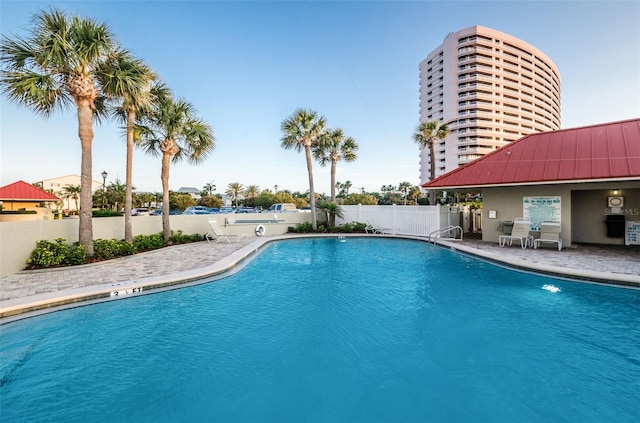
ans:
(36, 291)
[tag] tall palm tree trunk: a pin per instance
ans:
(432, 160)
(312, 193)
(85, 132)
(333, 180)
(128, 194)
(164, 175)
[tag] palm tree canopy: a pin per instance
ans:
(303, 129)
(428, 132)
(56, 65)
(252, 191)
(173, 125)
(334, 146)
(71, 191)
(126, 79)
(234, 189)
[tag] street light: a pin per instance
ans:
(104, 186)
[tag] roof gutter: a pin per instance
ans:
(518, 184)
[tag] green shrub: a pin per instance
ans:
(148, 242)
(350, 227)
(49, 253)
(180, 238)
(77, 255)
(19, 211)
(105, 213)
(106, 249)
(300, 228)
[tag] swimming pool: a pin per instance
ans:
(330, 330)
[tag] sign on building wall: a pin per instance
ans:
(541, 209)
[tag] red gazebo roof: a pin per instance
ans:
(22, 191)
(609, 151)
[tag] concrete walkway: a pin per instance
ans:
(38, 290)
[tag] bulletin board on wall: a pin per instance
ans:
(541, 209)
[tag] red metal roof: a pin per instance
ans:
(22, 191)
(609, 151)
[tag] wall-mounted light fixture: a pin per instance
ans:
(616, 192)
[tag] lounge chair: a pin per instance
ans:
(520, 233)
(370, 229)
(373, 229)
(217, 234)
(549, 233)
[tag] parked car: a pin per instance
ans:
(281, 208)
(227, 210)
(158, 212)
(140, 211)
(246, 210)
(197, 210)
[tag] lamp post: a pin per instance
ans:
(104, 186)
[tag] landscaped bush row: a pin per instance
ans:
(59, 253)
(351, 227)
(105, 213)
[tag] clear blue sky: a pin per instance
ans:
(246, 66)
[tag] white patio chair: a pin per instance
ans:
(520, 233)
(549, 233)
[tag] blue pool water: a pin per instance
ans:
(329, 330)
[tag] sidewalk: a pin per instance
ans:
(38, 289)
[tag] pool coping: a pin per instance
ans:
(25, 307)
(578, 275)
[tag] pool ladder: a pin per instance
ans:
(449, 229)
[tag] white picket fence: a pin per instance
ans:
(402, 220)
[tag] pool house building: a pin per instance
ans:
(586, 178)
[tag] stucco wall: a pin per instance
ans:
(43, 213)
(590, 212)
(583, 209)
(18, 239)
(508, 204)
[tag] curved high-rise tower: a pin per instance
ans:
(490, 89)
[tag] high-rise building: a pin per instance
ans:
(490, 89)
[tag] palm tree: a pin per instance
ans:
(234, 190)
(332, 210)
(55, 68)
(73, 192)
(116, 192)
(426, 136)
(302, 131)
(415, 192)
(404, 188)
(332, 148)
(347, 185)
(252, 191)
(208, 189)
(128, 80)
(171, 130)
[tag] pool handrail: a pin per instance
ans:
(441, 231)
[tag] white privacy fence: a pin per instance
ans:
(402, 220)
